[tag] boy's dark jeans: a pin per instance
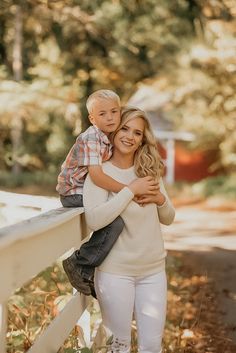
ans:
(92, 253)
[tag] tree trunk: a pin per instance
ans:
(17, 123)
(84, 113)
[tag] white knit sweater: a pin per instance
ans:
(139, 249)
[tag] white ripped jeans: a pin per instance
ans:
(120, 296)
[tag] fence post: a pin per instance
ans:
(3, 327)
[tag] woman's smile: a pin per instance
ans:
(127, 143)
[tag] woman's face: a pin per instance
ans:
(130, 136)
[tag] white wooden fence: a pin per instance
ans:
(26, 249)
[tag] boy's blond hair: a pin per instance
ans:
(101, 94)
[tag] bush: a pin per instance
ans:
(221, 185)
(40, 178)
(32, 307)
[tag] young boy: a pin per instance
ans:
(91, 148)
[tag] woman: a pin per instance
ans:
(131, 279)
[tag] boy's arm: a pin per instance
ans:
(139, 186)
(103, 180)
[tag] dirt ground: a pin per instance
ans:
(204, 233)
(220, 268)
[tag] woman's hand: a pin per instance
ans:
(144, 186)
(158, 199)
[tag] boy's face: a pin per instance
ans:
(105, 115)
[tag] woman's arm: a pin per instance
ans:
(99, 211)
(146, 185)
(166, 211)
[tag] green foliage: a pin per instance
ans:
(40, 178)
(75, 47)
(217, 186)
(85, 350)
(221, 187)
(203, 83)
(67, 52)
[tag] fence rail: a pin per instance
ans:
(26, 249)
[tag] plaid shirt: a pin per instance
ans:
(92, 147)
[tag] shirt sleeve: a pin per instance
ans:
(91, 150)
(84, 152)
(166, 211)
(99, 210)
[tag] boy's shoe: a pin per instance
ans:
(93, 292)
(73, 273)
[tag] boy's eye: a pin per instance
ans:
(124, 128)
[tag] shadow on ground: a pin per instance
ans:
(219, 266)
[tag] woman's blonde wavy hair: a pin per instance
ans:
(147, 161)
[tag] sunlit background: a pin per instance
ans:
(176, 59)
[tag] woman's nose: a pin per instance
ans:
(130, 135)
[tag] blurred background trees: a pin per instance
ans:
(53, 54)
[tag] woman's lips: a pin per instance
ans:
(126, 143)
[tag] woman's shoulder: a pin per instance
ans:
(122, 175)
(109, 166)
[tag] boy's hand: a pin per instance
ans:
(136, 199)
(158, 199)
(144, 186)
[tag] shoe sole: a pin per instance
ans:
(82, 289)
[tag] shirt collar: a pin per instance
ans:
(103, 136)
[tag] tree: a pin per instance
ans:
(75, 47)
(16, 122)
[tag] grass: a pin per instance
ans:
(35, 183)
(222, 186)
(9, 180)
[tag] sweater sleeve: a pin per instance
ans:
(99, 210)
(166, 211)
